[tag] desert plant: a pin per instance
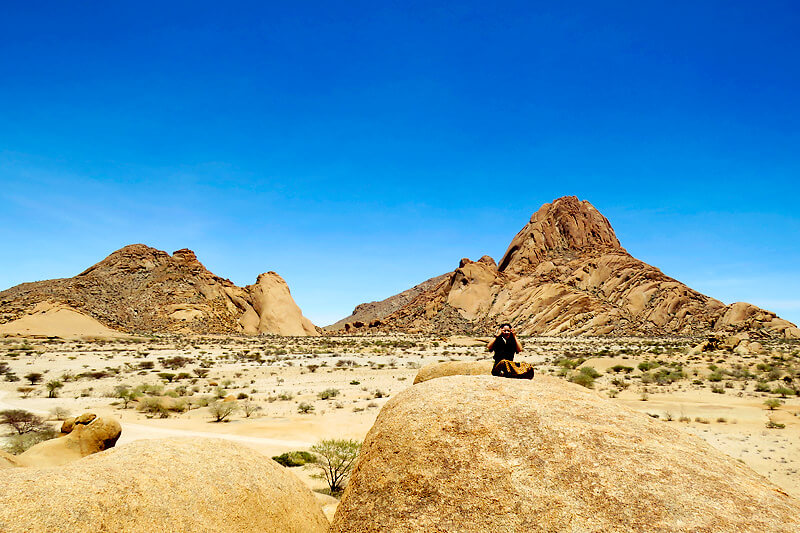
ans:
(34, 377)
(59, 413)
(222, 410)
(328, 394)
(772, 403)
(290, 459)
(249, 408)
(305, 408)
(621, 368)
(783, 391)
(644, 366)
(771, 424)
(52, 388)
(335, 459)
(25, 391)
(22, 421)
(16, 444)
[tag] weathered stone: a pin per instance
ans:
(453, 368)
(176, 485)
(478, 454)
(84, 435)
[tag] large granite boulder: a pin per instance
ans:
(176, 485)
(477, 454)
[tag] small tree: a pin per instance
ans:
(772, 403)
(222, 410)
(335, 459)
(25, 391)
(34, 377)
(22, 421)
(124, 393)
(250, 408)
(52, 388)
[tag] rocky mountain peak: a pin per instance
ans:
(563, 226)
(130, 258)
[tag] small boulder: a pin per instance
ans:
(81, 436)
(453, 368)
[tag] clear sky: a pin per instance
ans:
(359, 148)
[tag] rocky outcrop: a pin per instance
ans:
(565, 273)
(453, 368)
(139, 289)
(80, 436)
(479, 453)
(273, 309)
(180, 485)
(369, 312)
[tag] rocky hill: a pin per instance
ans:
(566, 273)
(367, 313)
(139, 289)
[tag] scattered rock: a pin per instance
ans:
(477, 454)
(180, 485)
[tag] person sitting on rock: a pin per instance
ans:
(505, 346)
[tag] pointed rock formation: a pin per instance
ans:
(139, 289)
(565, 273)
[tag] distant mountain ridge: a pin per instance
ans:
(566, 273)
(139, 289)
(367, 313)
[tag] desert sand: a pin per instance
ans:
(719, 396)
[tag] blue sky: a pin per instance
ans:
(359, 148)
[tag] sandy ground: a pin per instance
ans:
(282, 375)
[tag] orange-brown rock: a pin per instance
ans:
(479, 453)
(139, 289)
(176, 485)
(565, 273)
(81, 436)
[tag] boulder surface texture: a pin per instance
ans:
(175, 485)
(475, 453)
(454, 368)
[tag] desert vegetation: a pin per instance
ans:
(268, 385)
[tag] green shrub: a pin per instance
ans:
(291, 459)
(222, 410)
(772, 403)
(305, 408)
(16, 444)
(621, 368)
(582, 379)
(783, 391)
(590, 371)
(328, 394)
(644, 366)
(762, 386)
